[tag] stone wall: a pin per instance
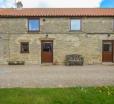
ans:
(89, 46)
(57, 25)
(98, 25)
(87, 42)
(13, 25)
(4, 50)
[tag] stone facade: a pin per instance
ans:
(87, 42)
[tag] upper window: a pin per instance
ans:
(33, 25)
(75, 24)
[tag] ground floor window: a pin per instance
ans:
(24, 47)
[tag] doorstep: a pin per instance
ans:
(46, 64)
(108, 63)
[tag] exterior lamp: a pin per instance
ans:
(46, 35)
(108, 35)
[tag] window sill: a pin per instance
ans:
(33, 32)
(75, 31)
(24, 53)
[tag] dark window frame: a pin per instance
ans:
(80, 24)
(106, 47)
(46, 47)
(33, 31)
(21, 47)
(113, 24)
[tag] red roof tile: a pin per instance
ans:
(57, 12)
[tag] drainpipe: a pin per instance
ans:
(113, 49)
(9, 47)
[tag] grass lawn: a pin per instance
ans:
(78, 95)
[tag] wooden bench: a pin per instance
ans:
(74, 59)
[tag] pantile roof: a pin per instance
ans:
(29, 12)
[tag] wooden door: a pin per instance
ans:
(47, 51)
(107, 51)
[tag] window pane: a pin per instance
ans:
(47, 47)
(24, 47)
(107, 47)
(34, 25)
(75, 24)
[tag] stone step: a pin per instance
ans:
(46, 64)
(108, 63)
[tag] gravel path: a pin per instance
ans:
(56, 76)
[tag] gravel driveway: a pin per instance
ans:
(56, 76)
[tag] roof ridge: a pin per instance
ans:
(55, 8)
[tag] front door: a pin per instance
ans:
(46, 51)
(107, 51)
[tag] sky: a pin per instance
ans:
(59, 3)
(107, 4)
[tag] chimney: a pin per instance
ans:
(19, 4)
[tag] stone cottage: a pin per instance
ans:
(47, 35)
